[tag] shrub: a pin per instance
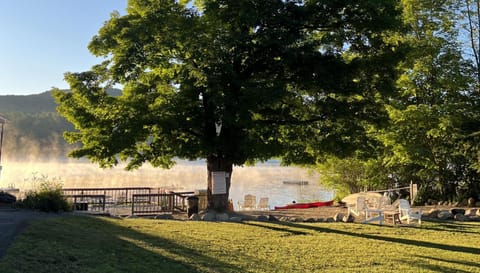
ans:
(47, 197)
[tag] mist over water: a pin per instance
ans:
(262, 180)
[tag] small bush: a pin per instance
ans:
(47, 197)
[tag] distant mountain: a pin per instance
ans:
(37, 103)
(28, 103)
(34, 129)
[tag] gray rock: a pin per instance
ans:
(459, 217)
(338, 217)
(474, 218)
(456, 211)
(164, 217)
(272, 218)
(262, 218)
(470, 212)
(310, 220)
(236, 219)
(471, 202)
(445, 215)
(320, 220)
(209, 216)
(330, 220)
(433, 213)
(348, 218)
(195, 217)
(297, 219)
(221, 217)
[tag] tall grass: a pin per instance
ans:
(88, 244)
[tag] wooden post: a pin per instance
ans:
(413, 192)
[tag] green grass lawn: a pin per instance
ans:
(95, 244)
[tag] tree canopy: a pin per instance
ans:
(234, 81)
(431, 137)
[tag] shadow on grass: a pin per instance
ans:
(453, 261)
(281, 226)
(93, 244)
(280, 229)
(452, 226)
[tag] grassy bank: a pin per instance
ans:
(91, 244)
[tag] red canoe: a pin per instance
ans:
(306, 205)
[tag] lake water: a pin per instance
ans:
(262, 180)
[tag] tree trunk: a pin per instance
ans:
(218, 202)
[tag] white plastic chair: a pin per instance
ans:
(407, 213)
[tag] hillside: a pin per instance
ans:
(37, 103)
(34, 130)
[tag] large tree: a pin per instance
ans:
(426, 140)
(233, 82)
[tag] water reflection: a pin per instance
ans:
(263, 180)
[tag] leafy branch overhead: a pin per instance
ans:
(279, 78)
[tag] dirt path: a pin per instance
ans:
(12, 222)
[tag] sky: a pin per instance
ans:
(40, 40)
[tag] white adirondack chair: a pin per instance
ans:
(263, 204)
(249, 202)
(358, 207)
(361, 207)
(407, 213)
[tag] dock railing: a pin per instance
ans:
(156, 203)
(141, 200)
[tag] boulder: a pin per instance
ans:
(298, 219)
(459, 217)
(164, 217)
(338, 217)
(262, 218)
(445, 215)
(348, 218)
(209, 216)
(471, 202)
(433, 213)
(272, 218)
(236, 219)
(330, 220)
(222, 217)
(310, 220)
(456, 211)
(195, 217)
(470, 212)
